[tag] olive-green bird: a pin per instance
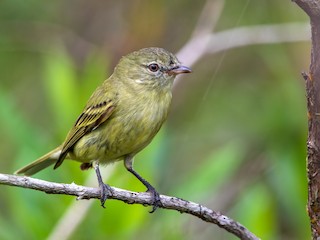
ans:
(121, 117)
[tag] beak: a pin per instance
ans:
(178, 70)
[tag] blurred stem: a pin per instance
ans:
(76, 212)
(211, 43)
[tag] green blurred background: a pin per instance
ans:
(234, 141)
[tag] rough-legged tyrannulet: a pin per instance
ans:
(121, 117)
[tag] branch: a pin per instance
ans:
(168, 202)
(211, 43)
(201, 34)
(311, 7)
(312, 79)
(258, 34)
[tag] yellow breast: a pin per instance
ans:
(134, 123)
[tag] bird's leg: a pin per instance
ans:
(156, 202)
(105, 189)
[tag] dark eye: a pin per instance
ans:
(153, 67)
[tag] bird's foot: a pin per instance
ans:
(156, 201)
(105, 191)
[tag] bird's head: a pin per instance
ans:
(153, 67)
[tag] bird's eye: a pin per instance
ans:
(153, 67)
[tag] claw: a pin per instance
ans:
(106, 191)
(156, 201)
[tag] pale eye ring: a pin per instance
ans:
(153, 67)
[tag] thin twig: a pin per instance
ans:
(211, 43)
(168, 202)
(258, 34)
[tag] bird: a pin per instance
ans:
(120, 118)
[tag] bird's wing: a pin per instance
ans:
(91, 118)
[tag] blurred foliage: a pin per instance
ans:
(234, 141)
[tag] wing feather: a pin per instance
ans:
(91, 118)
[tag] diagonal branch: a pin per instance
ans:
(168, 202)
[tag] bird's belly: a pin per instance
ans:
(120, 136)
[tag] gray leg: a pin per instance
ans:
(156, 202)
(105, 189)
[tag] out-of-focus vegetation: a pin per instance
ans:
(234, 141)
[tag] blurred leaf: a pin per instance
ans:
(62, 87)
(256, 211)
(208, 176)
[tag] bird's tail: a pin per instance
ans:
(41, 163)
